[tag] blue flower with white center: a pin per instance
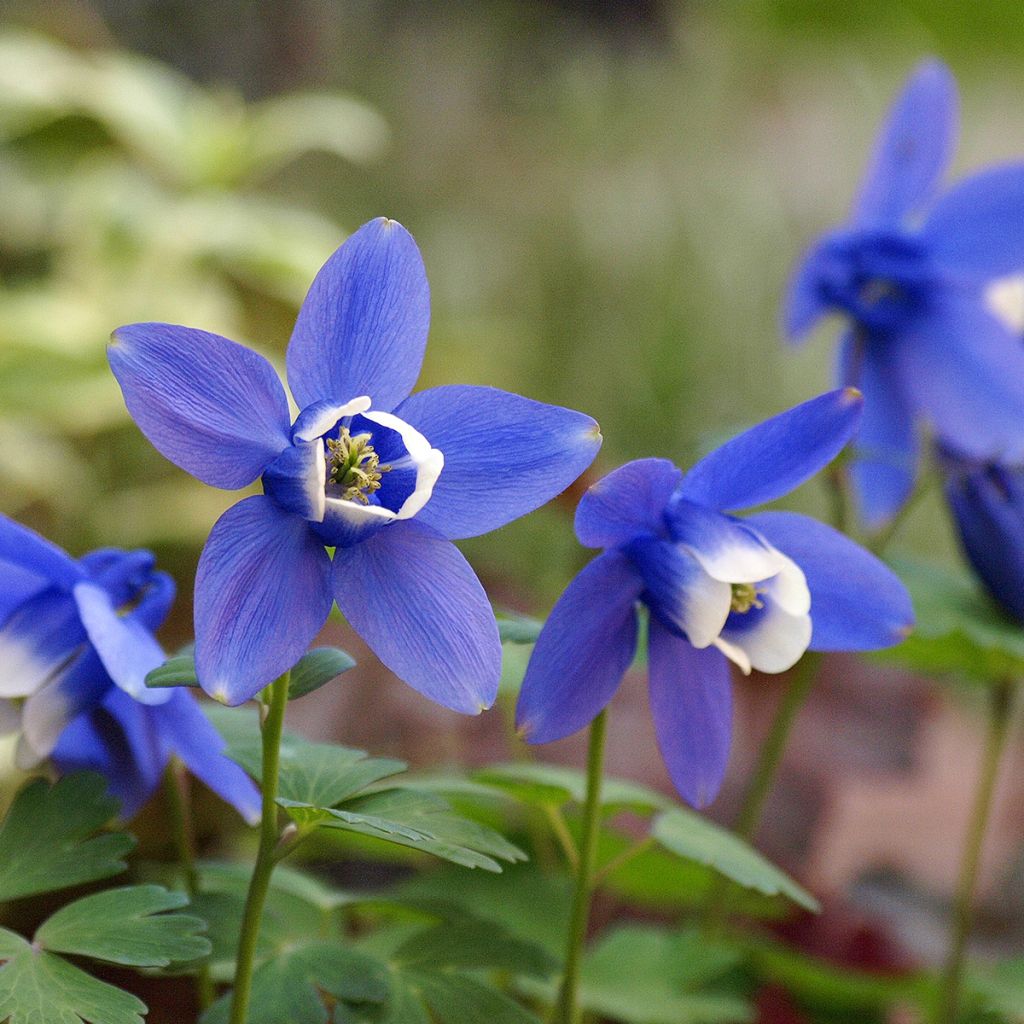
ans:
(916, 276)
(987, 502)
(76, 644)
(757, 592)
(386, 478)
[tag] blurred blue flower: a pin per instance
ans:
(76, 644)
(987, 502)
(758, 591)
(387, 479)
(912, 273)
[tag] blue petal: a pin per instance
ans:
(295, 480)
(885, 451)
(36, 640)
(17, 585)
(628, 502)
(362, 329)
(988, 505)
(773, 458)
(504, 455)
(188, 733)
(679, 592)
(210, 405)
(857, 602)
(262, 594)
(978, 226)
(26, 550)
(965, 370)
(155, 603)
(417, 603)
(804, 302)
(913, 148)
(583, 651)
(691, 703)
(127, 649)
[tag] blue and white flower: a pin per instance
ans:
(76, 644)
(387, 479)
(913, 272)
(757, 592)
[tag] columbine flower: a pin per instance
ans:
(757, 592)
(386, 479)
(987, 502)
(76, 644)
(912, 274)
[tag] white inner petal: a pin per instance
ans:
(773, 643)
(23, 669)
(316, 484)
(428, 461)
(739, 562)
(330, 415)
(788, 588)
(703, 608)
(1004, 298)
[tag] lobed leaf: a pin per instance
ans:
(317, 667)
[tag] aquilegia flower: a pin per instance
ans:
(387, 479)
(76, 643)
(987, 502)
(912, 274)
(757, 592)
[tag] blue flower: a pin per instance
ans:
(987, 502)
(76, 644)
(757, 592)
(911, 272)
(387, 479)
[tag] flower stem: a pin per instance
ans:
(275, 699)
(567, 1010)
(176, 795)
(998, 725)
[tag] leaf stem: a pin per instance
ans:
(567, 1010)
(275, 699)
(998, 725)
(621, 859)
(561, 831)
(176, 795)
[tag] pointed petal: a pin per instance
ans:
(857, 602)
(913, 149)
(17, 585)
(691, 703)
(629, 501)
(885, 453)
(189, 733)
(262, 594)
(583, 651)
(127, 649)
(804, 303)
(27, 550)
(773, 458)
(362, 329)
(210, 405)
(966, 371)
(727, 549)
(679, 591)
(978, 226)
(504, 455)
(415, 600)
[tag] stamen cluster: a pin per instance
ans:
(354, 466)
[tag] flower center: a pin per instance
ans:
(744, 597)
(353, 466)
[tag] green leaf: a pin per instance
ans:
(127, 926)
(418, 820)
(959, 628)
(286, 989)
(688, 835)
(1001, 989)
(179, 670)
(518, 629)
(539, 783)
(45, 841)
(38, 987)
(317, 667)
(645, 975)
(457, 999)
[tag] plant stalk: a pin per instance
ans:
(275, 699)
(995, 742)
(567, 1010)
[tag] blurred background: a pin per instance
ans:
(608, 197)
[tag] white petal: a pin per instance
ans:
(428, 461)
(330, 415)
(788, 588)
(773, 642)
(703, 607)
(23, 667)
(735, 654)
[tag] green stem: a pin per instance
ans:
(275, 701)
(176, 793)
(567, 1010)
(998, 726)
